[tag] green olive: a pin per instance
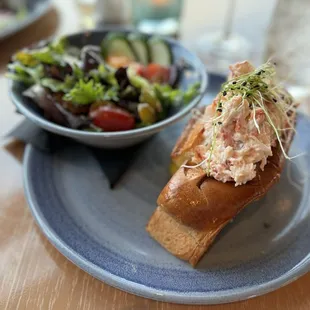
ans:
(148, 96)
(147, 113)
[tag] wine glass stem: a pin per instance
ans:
(228, 22)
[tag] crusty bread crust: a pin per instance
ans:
(193, 208)
(182, 241)
(191, 136)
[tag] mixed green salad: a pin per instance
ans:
(127, 82)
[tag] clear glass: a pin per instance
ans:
(220, 49)
(157, 16)
(288, 46)
(113, 12)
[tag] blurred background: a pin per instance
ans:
(219, 31)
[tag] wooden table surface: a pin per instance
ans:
(33, 274)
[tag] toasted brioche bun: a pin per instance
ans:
(193, 208)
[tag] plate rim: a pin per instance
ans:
(32, 17)
(219, 297)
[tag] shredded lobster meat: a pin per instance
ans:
(240, 141)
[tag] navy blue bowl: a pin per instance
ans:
(196, 73)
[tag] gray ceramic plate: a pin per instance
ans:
(36, 8)
(102, 231)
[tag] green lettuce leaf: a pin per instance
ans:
(46, 55)
(170, 96)
(85, 92)
(103, 73)
(58, 86)
(28, 75)
(50, 54)
(59, 46)
(191, 93)
(111, 93)
(77, 72)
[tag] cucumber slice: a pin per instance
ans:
(160, 52)
(117, 45)
(140, 47)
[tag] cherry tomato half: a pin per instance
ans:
(110, 118)
(156, 73)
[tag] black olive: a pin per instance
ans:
(122, 78)
(57, 72)
(89, 63)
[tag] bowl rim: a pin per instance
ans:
(40, 120)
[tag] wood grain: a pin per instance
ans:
(34, 275)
